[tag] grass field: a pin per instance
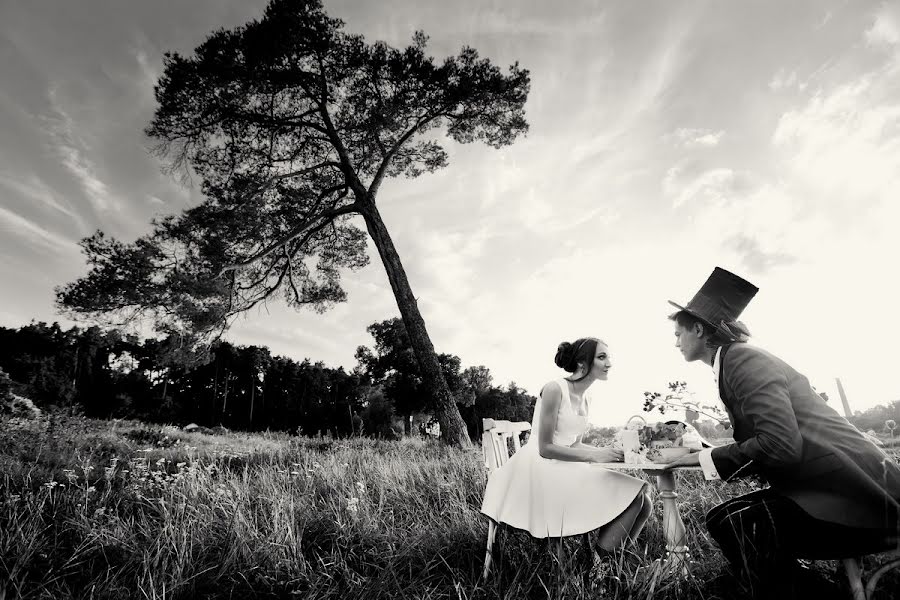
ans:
(120, 509)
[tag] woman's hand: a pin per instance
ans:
(606, 455)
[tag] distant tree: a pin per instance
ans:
(378, 416)
(875, 417)
(42, 359)
(474, 382)
(890, 425)
(511, 403)
(392, 364)
(5, 386)
(293, 125)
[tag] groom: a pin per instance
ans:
(832, 493)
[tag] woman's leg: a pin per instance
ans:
(628, 524)
(643, 515)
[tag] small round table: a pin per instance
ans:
(673, 526)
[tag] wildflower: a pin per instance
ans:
(353, 505)
(361, 487)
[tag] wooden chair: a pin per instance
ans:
(495, 439)
(854, 576)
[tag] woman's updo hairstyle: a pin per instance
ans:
(579, 352)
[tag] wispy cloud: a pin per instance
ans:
(844, 143)
(713, 185)
(73, 152)
(34, 189)
(754, 256)
(885, 31)
(783, 80)
(697, 138)
(33, 233)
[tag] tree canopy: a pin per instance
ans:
(292, 124)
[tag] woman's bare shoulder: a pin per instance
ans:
(551, 390)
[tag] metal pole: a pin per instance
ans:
(847, 412)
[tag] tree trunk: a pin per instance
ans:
(225, 400)
(252, 400)
(453, 430)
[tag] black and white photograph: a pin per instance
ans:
(474, 300)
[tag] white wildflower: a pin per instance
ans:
(353, 505)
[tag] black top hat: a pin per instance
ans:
(721, 300)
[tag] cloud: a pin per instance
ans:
(843, 145)
(449, 260)
(35, 234)
(697, 138)
(149, 72)
(35, 189)
(754, 257)
(885, 30)
(73, 151)
(711, 186)
(555, 24)
(783, 80)
(741, 215)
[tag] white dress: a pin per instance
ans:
(555, 498)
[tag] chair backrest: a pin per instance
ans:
(495, 438)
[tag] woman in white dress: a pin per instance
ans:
(550, 487)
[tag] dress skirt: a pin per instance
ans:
(556, 498)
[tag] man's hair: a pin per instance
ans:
(714, 338)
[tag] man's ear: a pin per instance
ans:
(698, 330)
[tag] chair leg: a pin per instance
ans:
(873, 579)
(492, 532)
(851, 566)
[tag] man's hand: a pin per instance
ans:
(688, 460)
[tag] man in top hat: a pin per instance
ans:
(832, 492)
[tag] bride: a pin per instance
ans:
(549, 487)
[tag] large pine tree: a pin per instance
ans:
(292, 125)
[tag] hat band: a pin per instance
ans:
(711, 309)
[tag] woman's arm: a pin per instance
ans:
(551, 396)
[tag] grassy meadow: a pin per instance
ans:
(121, 509)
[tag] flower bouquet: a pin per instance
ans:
(657, 442)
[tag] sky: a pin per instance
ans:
(666, 138)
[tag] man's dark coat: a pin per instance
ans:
(787, 434)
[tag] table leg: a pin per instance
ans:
(673, 526)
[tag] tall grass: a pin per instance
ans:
(92, 509)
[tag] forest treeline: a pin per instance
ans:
(109, 374)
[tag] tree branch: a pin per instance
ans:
(291, 275)
(290, 236)
(385, 163)
(335, 140)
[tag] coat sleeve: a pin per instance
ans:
(758, 390)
